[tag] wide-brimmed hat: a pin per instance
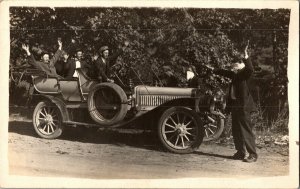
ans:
(103, 48)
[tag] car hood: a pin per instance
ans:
(176, 91)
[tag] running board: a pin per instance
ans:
(121, 123)
(75, 123)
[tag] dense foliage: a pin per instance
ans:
(165, 41)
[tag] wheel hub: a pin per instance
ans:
(49, 119)
(180, 129)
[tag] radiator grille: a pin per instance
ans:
(156, 100)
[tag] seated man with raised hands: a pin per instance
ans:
(46, 64)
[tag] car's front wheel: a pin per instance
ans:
(180, 130)
(47, 120)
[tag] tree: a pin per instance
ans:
(165, 41)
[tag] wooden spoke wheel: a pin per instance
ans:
(214, 126)
(180, 130)
(47, 120)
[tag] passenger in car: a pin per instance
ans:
(62, 63)
(75, 63)
(47, 65)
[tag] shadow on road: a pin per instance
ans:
(118, 137)
(22, 128)
(213, 155)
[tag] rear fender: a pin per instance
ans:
(58, 102)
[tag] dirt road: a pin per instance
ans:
(127, 154)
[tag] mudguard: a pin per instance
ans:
(60, 104)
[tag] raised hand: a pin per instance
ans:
(25, 47)
(246, 50)
(59, 44)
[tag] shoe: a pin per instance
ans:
(251, 158)
(238, 156)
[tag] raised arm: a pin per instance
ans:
(32, 60)
(243, 74)
(247, 71)
(226, 73)
(57, 53)
(221, 72)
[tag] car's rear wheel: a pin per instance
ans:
(47, 120)
(180, 130)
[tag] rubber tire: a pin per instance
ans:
(95, 114)
(58, 132)
(200, 132)
(221, 123)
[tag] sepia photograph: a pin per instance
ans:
(125, 95)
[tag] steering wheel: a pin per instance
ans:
(116, 67)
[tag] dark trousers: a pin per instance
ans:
(243, 136)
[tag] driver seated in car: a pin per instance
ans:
(104, 63)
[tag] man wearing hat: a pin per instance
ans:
(75, 63)
(104, 62)
(47, 65)
(241, 104)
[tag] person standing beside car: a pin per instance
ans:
(241, 104)
(47, 65)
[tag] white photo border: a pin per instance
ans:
(290, 181)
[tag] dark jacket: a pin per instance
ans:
(241, 91)
(48, 68)
(70, 67)
(60, 68)
(103, 68)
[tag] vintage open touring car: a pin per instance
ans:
(183, 117)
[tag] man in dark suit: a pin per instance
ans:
(73, 64)
(104, 62)
(47, 65)
(241, 105)
(62, 63)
